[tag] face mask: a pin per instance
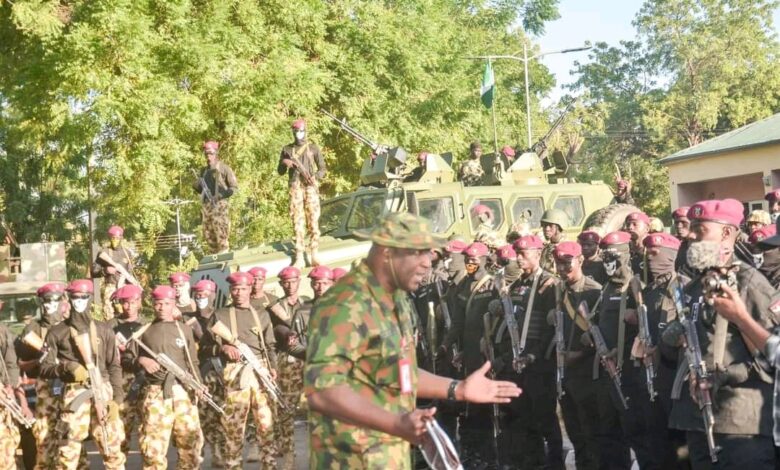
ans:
(472, 268)
(51, 307)
(611, 267)
(300, 135)
(114, 243)
(758, 260)
(80, 305)
(202, 303)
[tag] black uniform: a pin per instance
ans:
(170, 338)
(594, 269)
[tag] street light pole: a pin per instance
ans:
(527, 94)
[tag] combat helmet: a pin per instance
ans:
(556, 217)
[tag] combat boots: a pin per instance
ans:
(314, 258)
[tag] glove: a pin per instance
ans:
(113, 410)
(78, 372)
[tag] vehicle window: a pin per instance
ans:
(333, 214)
(528, 210)
(494, 217)
(440, 211)
(367, 210)
(573, 207)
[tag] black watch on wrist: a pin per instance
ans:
(451, 390)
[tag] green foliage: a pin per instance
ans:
(132, 88)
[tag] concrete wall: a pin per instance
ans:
(740, 174)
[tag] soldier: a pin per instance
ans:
(616, 431)
(739, 381)
(531, 422)
(682, 228)
(130, 410)
(168, 407)
(773, 200)
(181, 285)
(51, 297)
(509, 153)
(483, 218)
(417, 173)
(242, 390)
(215, 185)
(455, 261)
(304, 164)
(592, 264)
(638, 225)
(756, 220)
(579, 404)
(9, 383)
(766, 257)
(506, 258)
(110, 263)
(69, 343)
(260, 298)
(471, 171)
(211, 369)
(361, 377)
(554, 222)
(623, 193)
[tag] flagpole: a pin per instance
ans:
(493, 110)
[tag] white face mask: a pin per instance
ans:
(51, 307)
(758, 260)
(202, 303)
(183, 294)
(610, 267)
(80, 305)
(300, 135)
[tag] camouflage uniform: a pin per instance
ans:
(471, 173)
(304, 198)
(78, 419)
(121, 255)
(131, 409)
(221, 183)
(9, 376)
(356, 338)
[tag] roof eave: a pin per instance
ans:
(691, 156)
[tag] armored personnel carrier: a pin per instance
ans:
(516, 194)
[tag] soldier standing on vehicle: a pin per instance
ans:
(471, 171)
(738, 381)
(9, 383)
(215, 184)
(243, 392)
(29, 352)
(361, 380)
(110, 263)
(417, 173)
(130, 297)
(304, 164)
(773, 199)
(592, 264)
(68, 343)
(554, 222)
(169, 408)
(638, 225)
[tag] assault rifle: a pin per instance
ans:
(124, 273)
(645, 340)
(601, 349)
(560, 345)
(205, 192)
(9, 403)
(187, 380)
(518, 361)
(491, 355)
(249, 357)
(445, 312)
(97, 388)
(698, 368)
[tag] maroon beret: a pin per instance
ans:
(773, 195)
(163, 292)
(615, 238)
(622, 184)
(321, 272)
(290, 272)
(638, 217)
(762, 234)
(455, 246)
(528, 242)
(258, 272)
(240, 278)
(476, 250)
(589, 236)
(680, 213)
(80, 286)
(116, 231)
(211, 145)
(299, 124)
(506, 252)
(661, 240)
(128, 291)
(178, 277)
(480, 209)
(205, 285)
(726, 211)
(338, 273)
(57, 288)
(567, 249)
(508, 151)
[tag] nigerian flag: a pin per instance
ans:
(488, 86)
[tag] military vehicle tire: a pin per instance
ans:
(609, 219)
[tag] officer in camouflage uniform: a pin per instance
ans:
(9, 382)
(78, 417)
(578, 403)
(361, 378)
(299, 158)
(215, 185)
(592, 264)
(112, 279)
(471, 171)
(242, 390)
(28, 351)
(554, 222)
(169, 408)
(130, 297)
(211, 368)
(638, 225)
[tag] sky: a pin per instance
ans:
(588, 20)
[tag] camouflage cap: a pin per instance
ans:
(403, 230)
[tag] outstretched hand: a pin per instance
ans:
(477, 388)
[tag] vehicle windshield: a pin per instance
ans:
(333, 213)
(367, 211)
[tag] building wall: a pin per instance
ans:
(740, 175)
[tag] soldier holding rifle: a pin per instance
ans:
(361, 377)
(115, 264)
(215, 184)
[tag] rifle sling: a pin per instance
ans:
(621, 339)
(187, 352)
(529, 309)
(258, 328)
